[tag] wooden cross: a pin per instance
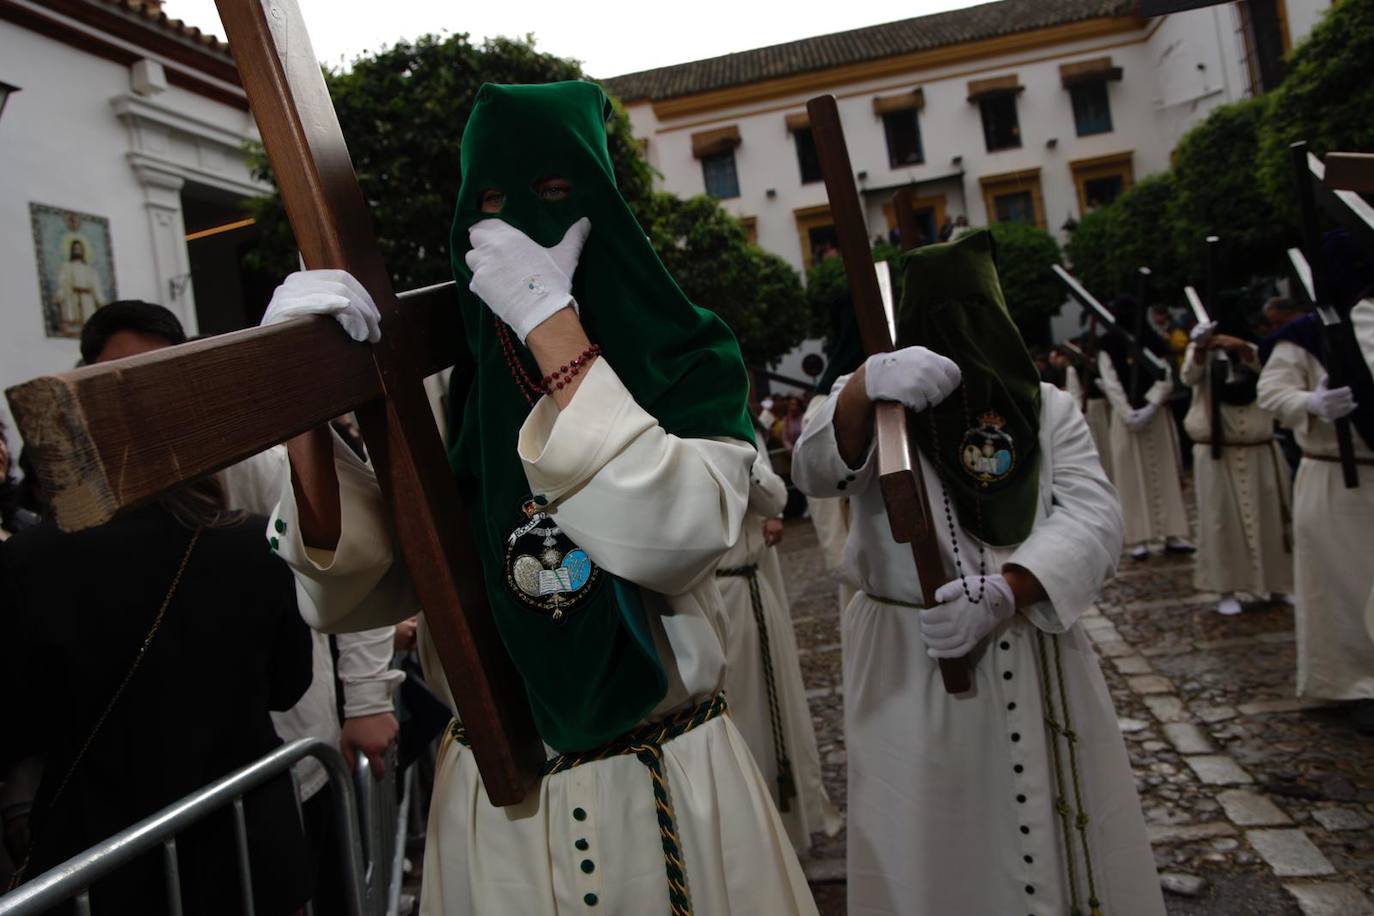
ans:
(899, 472)
(112, 436)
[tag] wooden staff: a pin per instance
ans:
(899, 474)
(1329, 318)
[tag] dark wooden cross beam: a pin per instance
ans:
(899, 474)
(1349, 210)
(115, 435)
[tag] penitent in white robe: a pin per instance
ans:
(952, 799)
(831, 520)
(1244, 498)
(1331, 535)
(1098, 414)
(747, 678)
(658, 511)
(1145, 464)
(1362, 318)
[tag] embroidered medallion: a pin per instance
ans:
(545, 569)
(987, 452)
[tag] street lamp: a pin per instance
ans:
(6, 90)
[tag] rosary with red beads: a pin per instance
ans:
(554, 381)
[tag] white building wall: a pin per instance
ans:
(77, 138)
(1176, 70)
(950, 127)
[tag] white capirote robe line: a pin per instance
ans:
(1331, 536)
(746, 681)
(1145, 465)
(830, 517)
(1098, 415)
(1244, 498)
(658, 511)
(1362, 318)
(951, 799)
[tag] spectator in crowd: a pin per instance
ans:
(14, 516)
(149, 651)
(349, 702)
(791, 423)
(1277, 312)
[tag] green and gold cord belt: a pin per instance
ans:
(646, 743)
(787, 784)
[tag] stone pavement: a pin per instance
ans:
(1256, 802)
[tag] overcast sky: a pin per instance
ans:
(610, 38)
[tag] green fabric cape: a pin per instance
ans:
(595, 674)
(985, 440)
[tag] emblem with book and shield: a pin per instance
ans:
(545, 570)
(987, 452)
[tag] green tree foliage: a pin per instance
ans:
(1090, 253)
(1134, 231)
(705, 249)
(827, 283)
(1024, 256)
(1218, 192)
(1326, 99)
(403, 110)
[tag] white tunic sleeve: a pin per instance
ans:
(1112, 387)
(1284, 385)
(652, 508)
(1193, 368)
(356, 586)
(364, 669)
(1073, 549)
(767, 491)
(1362, 317)
(1073, 384)
(817, 468)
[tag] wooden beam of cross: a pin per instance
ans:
(899, 473)
(115, 435)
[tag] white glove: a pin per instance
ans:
(520, 280)
(954, 626)
(915, 376)
(1201, 331)
(326, 292)
(1331, 403)
(1140, 417)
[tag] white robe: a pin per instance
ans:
(1145, 464)
(951, 799)
(746, 681)
(1244, 498)
(1331, 534)
(658, 511)
(831, 520)
(1362, 317)
(1098, 415)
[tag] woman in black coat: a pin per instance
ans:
(76, 608)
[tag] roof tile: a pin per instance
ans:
(987, 20)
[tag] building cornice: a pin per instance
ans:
(949, 55)
(124, 38)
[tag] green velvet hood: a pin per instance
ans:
(594, 674)
(984, 438)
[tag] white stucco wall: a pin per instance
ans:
(950, 127)
(75, 137)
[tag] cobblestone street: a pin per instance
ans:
(1256, 802)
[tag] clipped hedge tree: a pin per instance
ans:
(1218, 192)
(757, 294)
(1024, 256)
(1327, 99)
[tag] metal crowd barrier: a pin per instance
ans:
(384, 820)
(72, 879)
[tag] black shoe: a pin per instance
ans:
(1362, 716)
